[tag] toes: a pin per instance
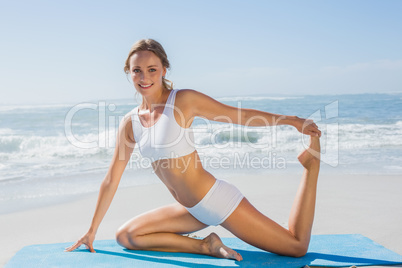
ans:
(218, 249)
(224, 253)
(230, 254)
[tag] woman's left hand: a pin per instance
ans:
(307, 126)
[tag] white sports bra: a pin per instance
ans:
(166, 138)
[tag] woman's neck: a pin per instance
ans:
(151, 101)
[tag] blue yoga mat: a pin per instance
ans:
(324, 250)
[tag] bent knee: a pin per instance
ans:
(127, 239)
(122, 238)
(298, 250)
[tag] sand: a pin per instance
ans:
(370, 205)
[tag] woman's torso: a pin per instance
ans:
(164, 138)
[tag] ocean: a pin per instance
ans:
(50, 153)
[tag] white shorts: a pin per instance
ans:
(218, 204)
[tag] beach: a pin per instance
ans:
(346, 204)
(72, 78)
(50, 176)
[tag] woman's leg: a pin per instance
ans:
(247, 223)
(161, 230)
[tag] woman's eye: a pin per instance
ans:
(136, 70)
(152, 70)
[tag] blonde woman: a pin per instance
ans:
(161, 127)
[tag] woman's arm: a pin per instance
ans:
(124, 146)
(211, 109)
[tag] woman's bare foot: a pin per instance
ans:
(311, 154)
(216, 248)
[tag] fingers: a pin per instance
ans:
(316, 133)
(73, 247)
(78, 244)
(91, 249)
(312, 128)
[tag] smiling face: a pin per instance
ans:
(146, 71)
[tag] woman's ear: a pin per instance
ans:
(164, 71)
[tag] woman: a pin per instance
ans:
(160, 126)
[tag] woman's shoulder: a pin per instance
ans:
(185, 97)
(193, 102)
(188, 94)
(185, 91)
(126, 125)
(191, 97)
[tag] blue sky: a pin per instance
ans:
(72, 51)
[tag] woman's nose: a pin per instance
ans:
(143, 76)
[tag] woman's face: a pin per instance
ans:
(146, 71)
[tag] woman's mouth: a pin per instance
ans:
(145, 86)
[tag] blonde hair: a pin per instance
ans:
(157, 49)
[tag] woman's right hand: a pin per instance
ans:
(87, 240)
